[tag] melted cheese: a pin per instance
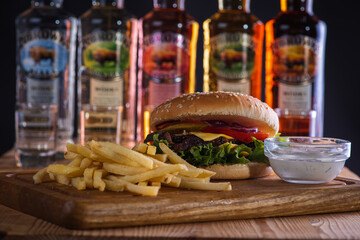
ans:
(209, 136)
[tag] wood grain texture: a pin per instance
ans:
(17, 225)
(266, 197)
(322, 226)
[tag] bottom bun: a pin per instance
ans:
(240, 171)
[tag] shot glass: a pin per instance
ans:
(100, 123)
(35, 127)
(297, 122)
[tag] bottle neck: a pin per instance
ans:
(166, 4)
(296, 5)
(243, 5)
(108, 3)
(47, 3)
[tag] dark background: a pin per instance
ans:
(342, 81)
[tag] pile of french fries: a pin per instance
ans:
(108, 166)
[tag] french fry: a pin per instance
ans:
(76, 148)
(99, 158)
(143, 183)
(85, 163)
(88, 177)
(133, 155)
(62, 179)
(190, 173)
(151, 150)
(206, 174)
(68, 171)
(39, 176)
(157, 163)
(158, 184)
(140, 147)
(176, 159)
(76, 161)
(70, 155)
(175, 182)
(110, 156)
(161, 157)
(98, 182)
(104, 165)
(97, 164)
(154, 173)
(163, 179)
(123, 169)
(141, 190)
(196, 179)
(114, 186)
(52, 176)
(78, 183)
(220, 186)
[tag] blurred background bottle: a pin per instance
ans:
(107, 77)
(167, 57)
(46, 48)
(233, 48)
(295, 51)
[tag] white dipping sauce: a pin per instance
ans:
(307, 172)
(307, 160)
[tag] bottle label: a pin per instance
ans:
(40, 91)
(295, 97)
(295, 66)
(242, 86)
(232, 57)
(106, 121)
(165, 56)
(106, 93)
(160, 92)
(106, 53)
(43, 57)
(106, 58)
(36, 121)
(295, 59)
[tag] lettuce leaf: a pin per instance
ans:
(224, 154)
(156, 143)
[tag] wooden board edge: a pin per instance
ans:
(235, 211)
(71, 214)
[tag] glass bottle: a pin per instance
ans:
(107, 60)
(233, 47)
(295, 51)
(46, 48)
(167, 57)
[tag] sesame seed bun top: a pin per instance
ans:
(225, 106)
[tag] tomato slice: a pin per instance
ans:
(242, 136)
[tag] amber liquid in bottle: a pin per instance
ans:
(107, 77)
(233, 43)
(167, 55)
(295, 48)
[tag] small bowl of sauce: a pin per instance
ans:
(307, 160)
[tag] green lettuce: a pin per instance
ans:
(224, 154)
(156, 143)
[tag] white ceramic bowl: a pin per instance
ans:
(307, 160)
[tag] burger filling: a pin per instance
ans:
(203, 143)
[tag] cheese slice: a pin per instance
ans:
(209, 136)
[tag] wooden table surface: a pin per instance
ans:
(17, 225)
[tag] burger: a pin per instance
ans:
(219, 131)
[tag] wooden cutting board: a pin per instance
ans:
(266, 197)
